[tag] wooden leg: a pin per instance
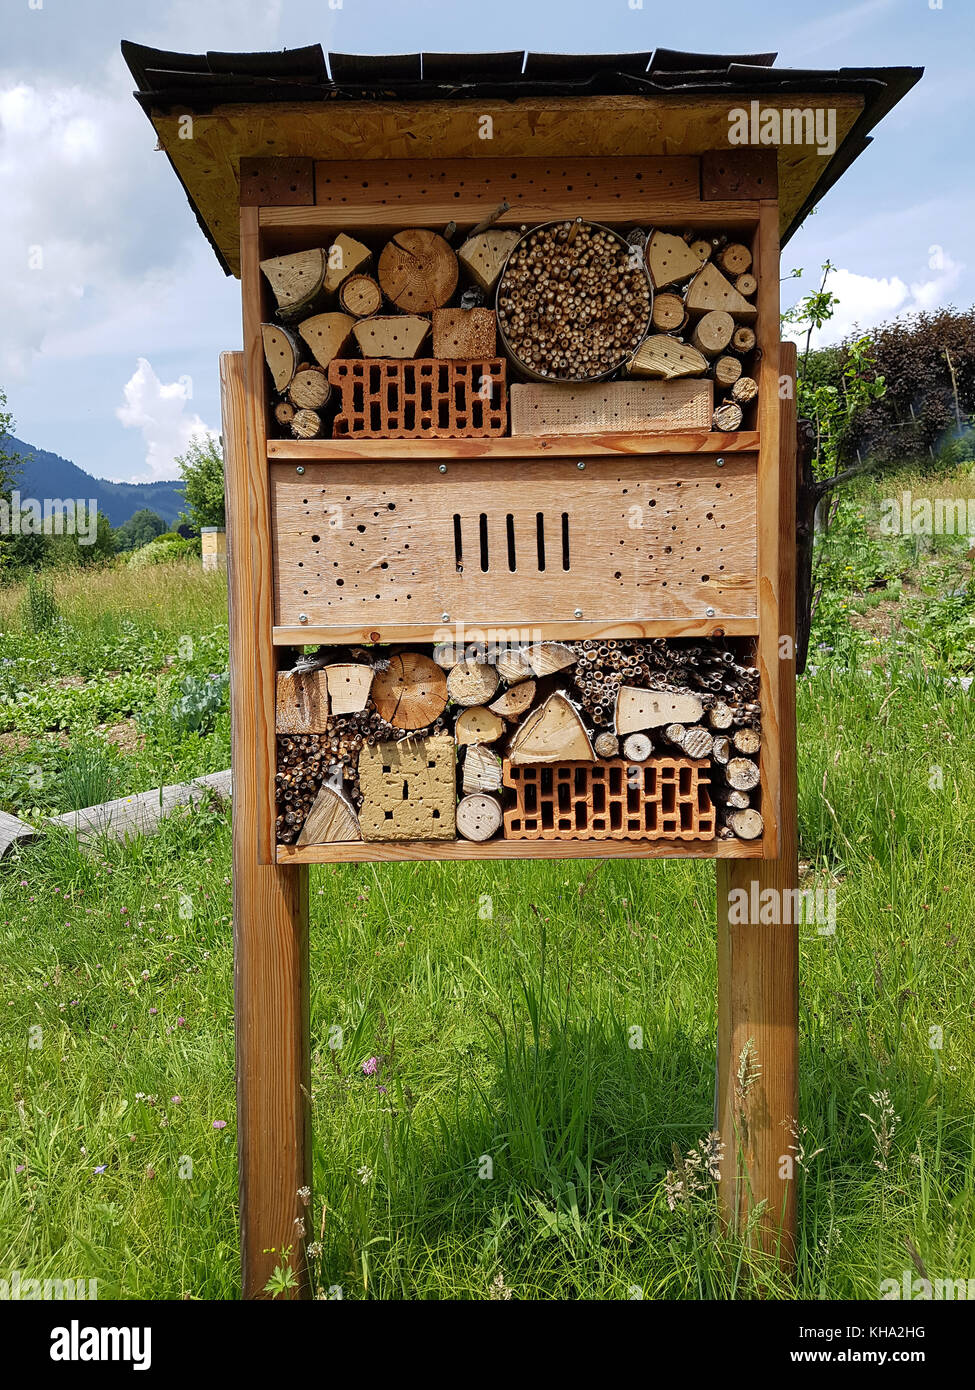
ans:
(758, 976)
(270, 918)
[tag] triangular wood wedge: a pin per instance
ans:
(327, 335)
(670, 259)
(331, 820)
(281, 354)
(653, 709)
(554, 733)
(710, 290)
(296, 280)
(548, 657)
(666, 358)
(345, 255)
(348, 686)
(393, 335)
(483, 256)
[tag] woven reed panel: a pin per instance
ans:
(514, 542)
(419, 398)
(621, 407)
(661, 799)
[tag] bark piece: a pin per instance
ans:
(653, 709)
(280, 353)
(483, 255)
(327, 335)
(478, 817)
(411, 692)
(670, 259)
(360, 296)
(637, 748)
(394, 335)
(710, 290)
(549, 657)
(666, 359)
(309, 389)
(514, 702)
(409, 789)
(418, 270)
(554, 733)
(747, 825)
(348, 686)
(712, 332)
(301, 703)
(482, 769)
(472, 682)
(331, 820)
(464, 333)
(478, 725)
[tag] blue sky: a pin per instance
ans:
(113, 309)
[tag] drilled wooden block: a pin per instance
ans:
(460, 333)
(661, 799)
(301, 703)
(409, 789)
(620, 407)
(277, 181)
(420, 398)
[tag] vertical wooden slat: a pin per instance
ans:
(758, 989)
(270, 909)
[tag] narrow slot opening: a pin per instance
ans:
(565, 540)
(482, 528)
(510, 530)
(458, 542)
(540, 534)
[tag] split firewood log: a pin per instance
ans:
(301, 702)
(712, 332)
(309, 389)
(515, 701)
(478, 725)
(395, 335)
(606, 745)
(638, 709)
(306, 424)
(280, 353)
(742, 774)
(484, 254)
(482, 769)
(345, 257)
(478, 817)
(464, 333)
(331, 820)
(411, 692)
(327, 335)
(670, 259)
(513, 664)
(666, 358)
(727, 370)
(549, 657)
(554, 733)
(349, 684)
(637, 748)
(710, 290)
(747, 825)
(418, 270)
(297, 281)
(360, 296)
(472, 682)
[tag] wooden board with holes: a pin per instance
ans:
(616, 540)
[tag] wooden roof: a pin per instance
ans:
(295, 103)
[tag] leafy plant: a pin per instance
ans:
(202, 699)
(201, 469)
(39, 610)
(89, 776)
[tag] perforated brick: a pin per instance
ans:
(419, 398)
(661, 799)
(409, 789)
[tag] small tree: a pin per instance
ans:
(142, 527)
(201, 469)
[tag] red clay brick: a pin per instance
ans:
(419, 398)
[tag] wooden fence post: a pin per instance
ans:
(270, 902)
(758, 1091)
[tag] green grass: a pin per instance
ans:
(500, 1001)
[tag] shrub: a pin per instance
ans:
(39, 608)
(163, 550)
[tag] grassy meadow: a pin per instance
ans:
(488, 1129)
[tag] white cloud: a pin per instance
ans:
(864, 301)
(161, 411)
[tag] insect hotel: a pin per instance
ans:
(510, 469)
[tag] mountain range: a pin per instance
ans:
(42, 474)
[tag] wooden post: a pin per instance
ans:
(758, 964)
(270, 902)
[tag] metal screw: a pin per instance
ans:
(719, 463)
(709, 612)
(580, 464)
(578, 612)
(300, 468)
(302, 617)
(445, 617)
(443, 468)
